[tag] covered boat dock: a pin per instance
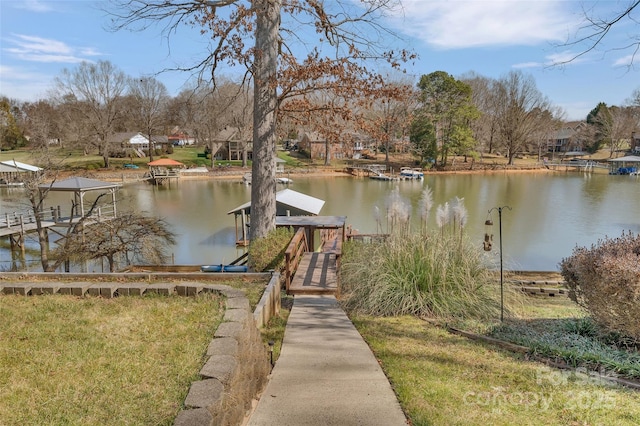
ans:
(628, 165)
(288, 203)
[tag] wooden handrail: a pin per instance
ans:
(296, 248)
(19, 219)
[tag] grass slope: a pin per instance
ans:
(91, 361)
(443, 379)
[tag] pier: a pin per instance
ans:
(309, 272)
(16, 225)
(367, 170)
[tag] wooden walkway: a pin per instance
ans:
(316, 275)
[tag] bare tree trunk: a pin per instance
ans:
(327, 153)
(151, 147)
(263, 170)
(244, 155)
(386, 151)
(43, 237)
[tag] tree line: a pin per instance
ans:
(441, 115)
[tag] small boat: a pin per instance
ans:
(409, 173)
(224, 268)
(284, 180)
(381, 176)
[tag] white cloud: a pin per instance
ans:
(525, 65)
(38, 44)
(89, 51)
(39, 49)
(35, 6)
(625, 61)
(17, 73)
(554, 60)
(447, 24)
(23, 84)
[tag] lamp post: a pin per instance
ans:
(487, 247)
(271, 343)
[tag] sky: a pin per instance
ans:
(40, 38)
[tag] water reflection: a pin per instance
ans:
(551, 213)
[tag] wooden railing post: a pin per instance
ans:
(296, 248)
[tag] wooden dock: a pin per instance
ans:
(316, 275)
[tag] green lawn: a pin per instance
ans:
(75, 159)
(443, 379)
(93, 361)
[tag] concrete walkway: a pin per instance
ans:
(326, 374)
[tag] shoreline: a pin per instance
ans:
(235, 173)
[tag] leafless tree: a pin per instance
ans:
(616, 124)
(150, 97)
(93, 91)
(548, 124)
(389, 115)
(521, 109)
(128, 238)
(212, 108)
(635, 98)
(43, 122)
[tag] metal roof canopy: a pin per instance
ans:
(627, 159)
(16, 166)
(289, 203)
(165, 162)
(79, 186)
(288, 200)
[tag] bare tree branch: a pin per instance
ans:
(597, 30)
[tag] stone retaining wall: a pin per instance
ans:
(234, 374)
(238, 363)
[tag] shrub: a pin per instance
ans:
(605, 280)
(434, 274)
(268, 253)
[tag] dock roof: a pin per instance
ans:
(165, 162)
(77, 184)
(287, 199)
(627, 159)
(17, 166)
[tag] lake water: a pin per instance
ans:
(550, 214)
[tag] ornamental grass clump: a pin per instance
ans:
(605, 280)
(426, 275)
(437, 274)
